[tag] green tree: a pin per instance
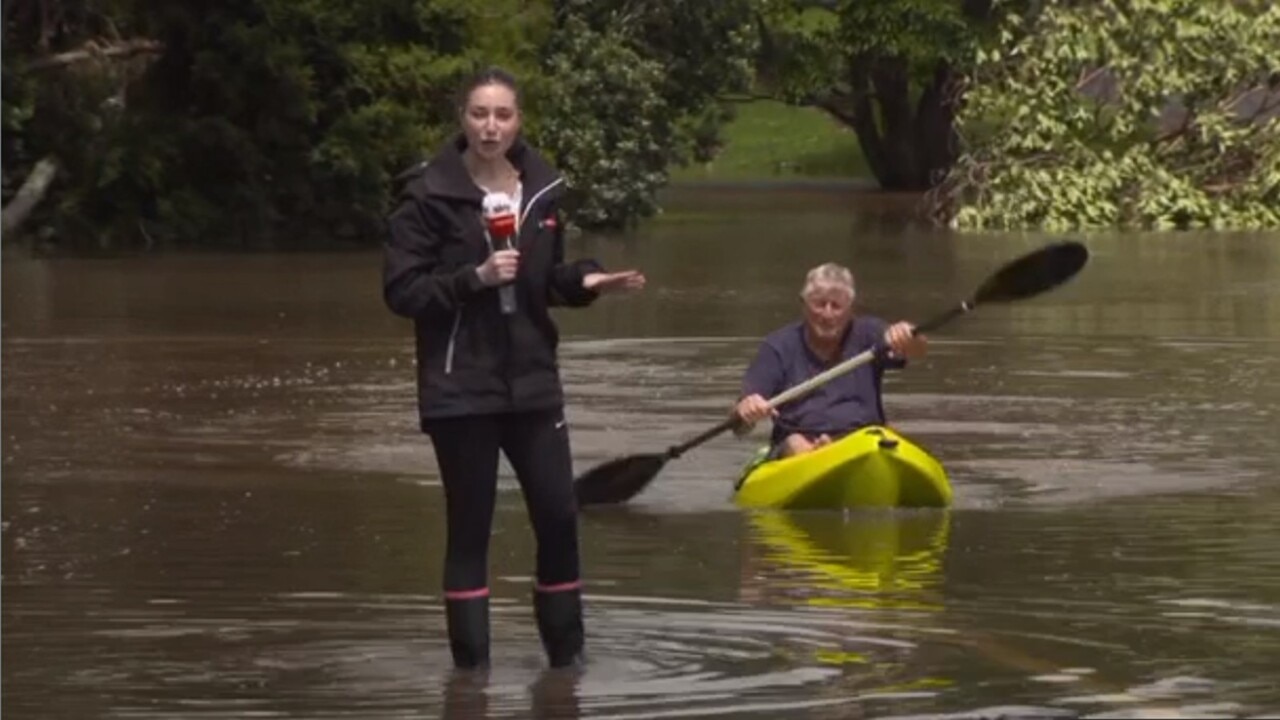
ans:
(67, 68)
(274, 122)
(269, 123)
(892, 70)
(632, 88)
(1138, 113)
(605, 121)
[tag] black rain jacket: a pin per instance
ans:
(471, 358)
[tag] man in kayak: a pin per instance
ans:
(828, 334)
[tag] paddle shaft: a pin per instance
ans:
(845, 367)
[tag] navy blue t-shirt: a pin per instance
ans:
(838, 407)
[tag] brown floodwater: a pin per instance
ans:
(217, 503)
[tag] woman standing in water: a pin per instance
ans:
(475, 257)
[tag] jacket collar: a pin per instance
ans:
(447, 176)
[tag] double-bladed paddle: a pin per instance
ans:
(620, 479)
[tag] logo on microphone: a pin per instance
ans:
(499, 216)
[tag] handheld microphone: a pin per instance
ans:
(500, 224)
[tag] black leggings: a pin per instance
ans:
(537, 446)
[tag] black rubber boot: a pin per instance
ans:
(464, 695)
(559, 616)
(469, 631)
(555, 695)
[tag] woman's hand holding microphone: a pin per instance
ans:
(499, 268)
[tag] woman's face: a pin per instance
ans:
(491, 120)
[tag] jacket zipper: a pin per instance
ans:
(534, 201)
(453, 340)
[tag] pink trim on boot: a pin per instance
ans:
(559, 587)
(466, 594)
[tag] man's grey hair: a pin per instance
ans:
(828, 275)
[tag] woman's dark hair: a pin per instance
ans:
(488, 76)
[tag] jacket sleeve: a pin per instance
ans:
(565, 284)
(414, 282)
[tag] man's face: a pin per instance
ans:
(828, 311)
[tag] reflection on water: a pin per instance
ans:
(868, 561)
(863, 559)
(217, 504)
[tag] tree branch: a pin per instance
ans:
(93, 50)
(977, 9)
(828, 105)
(832, 5)
(746, 97)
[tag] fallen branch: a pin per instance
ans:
(30, 194)
(1270, 102)
(1087, 78)
(93, 50)
(1181, 131)
(1221, 188)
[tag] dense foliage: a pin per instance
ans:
(1139, 113)
(279, 123)
(634, 88)
(256, 123)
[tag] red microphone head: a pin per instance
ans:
(499, 215)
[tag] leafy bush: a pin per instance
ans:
(1132, 113)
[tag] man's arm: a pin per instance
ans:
(764, 379)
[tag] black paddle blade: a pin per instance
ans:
(617, 480)
(1034, 273)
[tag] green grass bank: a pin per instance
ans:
(769, 140)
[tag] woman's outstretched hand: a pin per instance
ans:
(613, 282)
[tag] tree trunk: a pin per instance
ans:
(864, 124)
(907, 148)
(30, 194)
(893, 91)
(935, 124)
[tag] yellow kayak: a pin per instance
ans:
(872, 467)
